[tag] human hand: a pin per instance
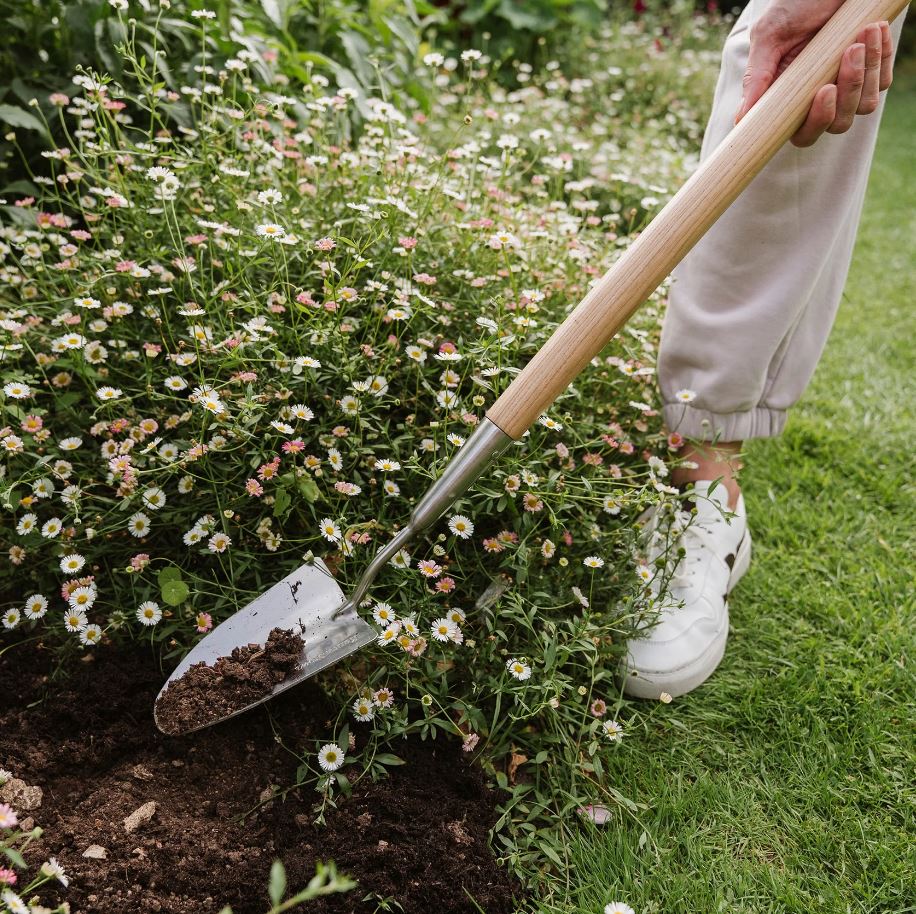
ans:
(866, 70)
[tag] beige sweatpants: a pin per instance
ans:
(752, 305)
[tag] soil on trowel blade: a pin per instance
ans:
(204, 827)
(209, 693)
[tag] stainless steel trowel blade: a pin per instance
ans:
(303, 602)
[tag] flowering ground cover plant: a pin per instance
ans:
(232, 345)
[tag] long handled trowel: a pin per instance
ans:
(309, 601)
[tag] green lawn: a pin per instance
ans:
(788, 782)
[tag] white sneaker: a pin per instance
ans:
(683, 648)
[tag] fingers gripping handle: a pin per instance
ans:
(685, 219)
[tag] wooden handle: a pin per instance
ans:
(686, 218)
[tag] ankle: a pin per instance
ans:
(707, 462)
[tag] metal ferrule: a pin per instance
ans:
(480, 450)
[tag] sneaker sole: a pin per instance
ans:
(686, 678)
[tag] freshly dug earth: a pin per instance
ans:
(89, 741)
(208, 693)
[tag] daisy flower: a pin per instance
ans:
(86, 301)
(193, 536)
(138, 524)
(219, 542)
(410, 627)
(378, 385)
(175, 383)
(686, 395)
(349, 405)
(593, 561)
(69, 444)
(269, 196)
(90, 635)
(519, 669)
(271, 230)
(75, 620)
(148, 612)
(390, 634)
(552, 424)
(401, 559)
(612, 730)
(428, 568)
(43, 488)
(363, 709)
(301, 411)
(387, 466)
(72, 563)
(52, 528)
(159, 173)
(11, 618)
(383, 698)
(53, 870)
(15, 904)
(461, 526)
(17, 390)
(383, 614)
(35, 606)
(644, 573)
(444, 630)
(27, 523)
(108, 393)
(154, 498)
(329, 530)
(203, 622)
(8, 817)
(548, 549)
(447, 399)
(330, 757)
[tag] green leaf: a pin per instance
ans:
(175, 592)
(308, 489)
(386, 758)
(170, 573)
(19, 117)
(282, 502)
(277, 885)
(343, 782)
(15, 856)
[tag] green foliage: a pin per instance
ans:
(326, 881)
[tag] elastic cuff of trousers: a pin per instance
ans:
(704, 425)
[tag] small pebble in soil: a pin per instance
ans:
(140, 816)
(206, 694)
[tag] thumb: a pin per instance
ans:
(762, 68)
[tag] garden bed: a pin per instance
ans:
(89, 742)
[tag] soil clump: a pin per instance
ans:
(204, 810)
(208, 693)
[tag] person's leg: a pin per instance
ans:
(752, 305)
(750, 310)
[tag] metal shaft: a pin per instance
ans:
(480, 450)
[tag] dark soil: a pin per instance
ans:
(89, 741)
(209, 693)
